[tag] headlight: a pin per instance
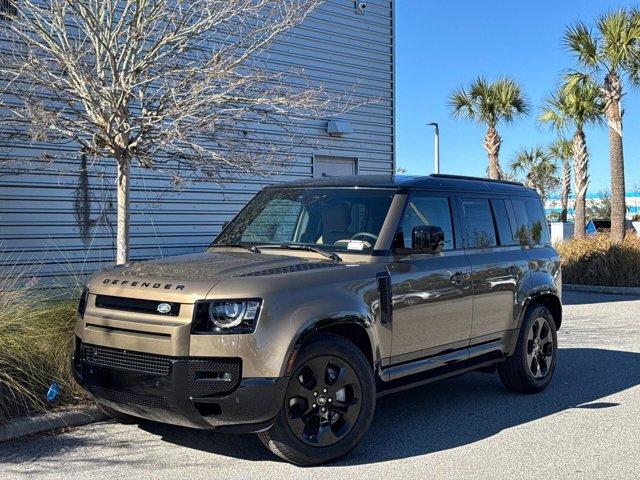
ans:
(226, 316)
(82, 304)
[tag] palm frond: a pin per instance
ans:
(561, 149)
(580, 40)
(620, 32)
(577, 102)
(461, 104)
(554, 113)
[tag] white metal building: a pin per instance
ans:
(49, 220)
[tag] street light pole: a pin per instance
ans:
(436, 146)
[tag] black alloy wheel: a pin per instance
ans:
(323, 400)
(328, 404)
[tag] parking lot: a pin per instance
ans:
(585, 425)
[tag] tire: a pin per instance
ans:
(531, 367)
(302, 434)
(119, 417)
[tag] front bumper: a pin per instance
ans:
(203, 392)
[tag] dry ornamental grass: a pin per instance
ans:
(594, 260)
(36, 337)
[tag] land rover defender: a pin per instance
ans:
(321, 296)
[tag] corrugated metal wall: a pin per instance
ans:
(48, 221)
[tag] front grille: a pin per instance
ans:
(126, 360)
(213, 377)
(205, 376)
(136, 305)
(151, 401)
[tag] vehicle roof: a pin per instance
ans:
(427, 182)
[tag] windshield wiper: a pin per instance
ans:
(252, 248)
(307, 248)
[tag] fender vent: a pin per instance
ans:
(384, 294)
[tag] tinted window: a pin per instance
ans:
(531, 224)
(479, 222)
(505, 231)
(427, 210)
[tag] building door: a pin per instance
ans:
(328, 166)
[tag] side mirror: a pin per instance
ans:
(427, 239)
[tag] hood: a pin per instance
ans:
(193, 275)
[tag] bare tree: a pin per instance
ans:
(174, 85)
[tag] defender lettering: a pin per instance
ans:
(167, 286)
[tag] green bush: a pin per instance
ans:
(36, 341)
(595, 261)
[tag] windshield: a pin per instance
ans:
(327, 218)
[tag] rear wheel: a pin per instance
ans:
(328, 405)
(530, 368)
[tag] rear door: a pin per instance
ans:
(431, 293)
(498, 265)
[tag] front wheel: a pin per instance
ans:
(530, 368)
(328, 405)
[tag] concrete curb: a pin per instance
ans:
(49, 422)
(602, 289)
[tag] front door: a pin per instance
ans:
(431, 293)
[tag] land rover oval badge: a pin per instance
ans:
(163, 308)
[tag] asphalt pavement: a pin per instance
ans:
(585, 425)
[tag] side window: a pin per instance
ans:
(531, 224)
(505, 231)
(427, 210)
(479, 222)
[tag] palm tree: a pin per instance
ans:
(574, 106)
(561, 150)
(539, 170)
(490, 103)
(608, 54)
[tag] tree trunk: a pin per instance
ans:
(122, 236)
(491, 143)
(613, 95)
(566, 189)
(581, 174)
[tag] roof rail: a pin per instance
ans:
(482, 179)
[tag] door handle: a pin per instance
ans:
(458, 278)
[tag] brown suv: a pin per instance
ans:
(320, 296)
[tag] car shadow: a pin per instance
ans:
(454, 412)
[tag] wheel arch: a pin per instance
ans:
(354, 328)
(550, 300)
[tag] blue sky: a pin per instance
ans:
(443, 45)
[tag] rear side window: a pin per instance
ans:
(531, 224)
(427, 210)
(481, 232)
(503, 225)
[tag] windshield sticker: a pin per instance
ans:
(355, 245)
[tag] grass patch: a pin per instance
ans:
(594, 260)
(36, 342)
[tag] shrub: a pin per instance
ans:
(594, 260)
(36, 337)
